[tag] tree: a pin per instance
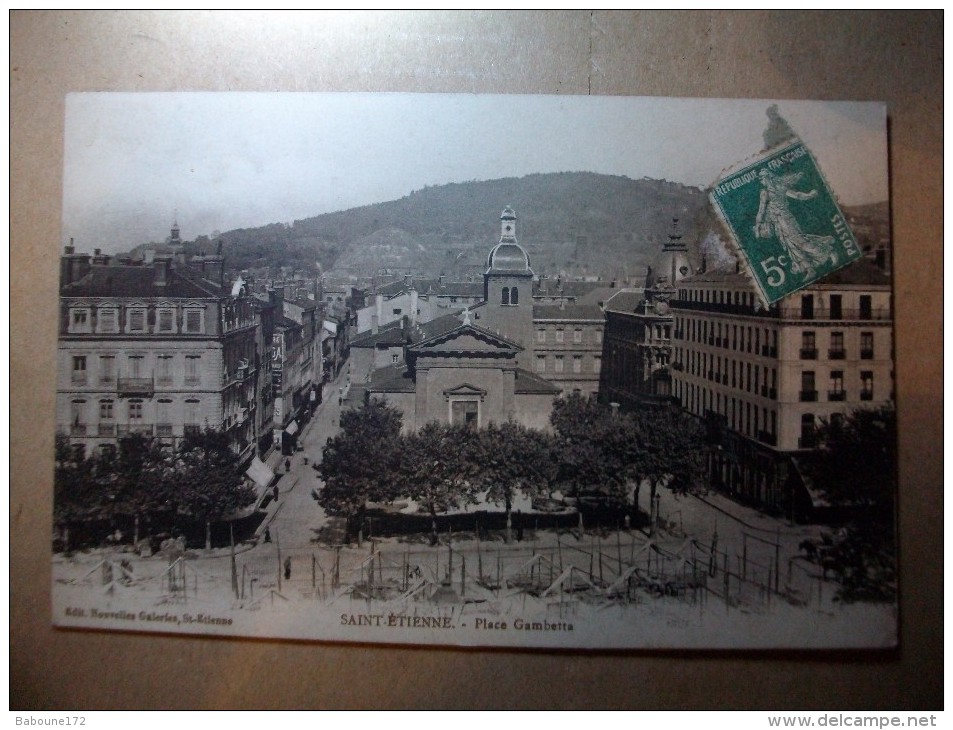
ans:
(513, 460)
(357, 465)
(207, 481)
(601, 451)
(854, 467)
(670, 451)
(581, 426)
(439, 469)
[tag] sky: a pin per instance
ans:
(218, 161)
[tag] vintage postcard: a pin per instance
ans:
(464, 370)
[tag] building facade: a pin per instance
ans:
(763, 379)
(160, 350)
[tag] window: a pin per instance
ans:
(866, 385)
(164, 417)
(836, 392)
(108, 319)
(807, 431)
(135, 366)
(194, 320)
(135, 410)
(837, 346)
(866, 345)
(506, 295)
(79, 320)
(164, 370)
(559, 335)
(577, 335)
(192, 369)
(598, 334)
(807, 306)
(596, 364)
(577, 363)
(79, 369)
(166, 320)
(136, 321)
(77, 418)
(192, 420)
(836, 304)
(866, 312)
(107, 368)
(398, 310)
(808, 390)
(465, 413)
(515, 296)
(395, 358)
(808, 346)
(541, 335)
(105, 410)
(559, 363)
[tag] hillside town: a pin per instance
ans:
(281, 366)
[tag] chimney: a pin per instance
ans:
(408, 280)
(379, 305)
(70, 249)
(375, 324)
(440, 279)
(163, 265)
(100, 258)
(414, 303)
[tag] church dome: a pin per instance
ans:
(507, 256)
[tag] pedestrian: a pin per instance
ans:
(287, 471)
(287, 568)
(274, 492)
(267, 534)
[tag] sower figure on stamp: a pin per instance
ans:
(805, 251)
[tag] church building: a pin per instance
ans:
(477, 370)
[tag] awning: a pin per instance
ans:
(259, 473)
(292, 428)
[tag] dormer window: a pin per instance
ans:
(166, 320)
(107, 319)
(79, 320)
(136, 319)
(194, 321)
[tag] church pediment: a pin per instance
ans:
(465, 390)
(466, 338)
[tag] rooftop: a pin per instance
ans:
(542, 312)
(140, 281)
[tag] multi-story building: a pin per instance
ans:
(567, 347)
(639, 326)
(159, 349)
(764, 378)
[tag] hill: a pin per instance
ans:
(576, 223)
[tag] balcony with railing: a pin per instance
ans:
(836, 354)
(106, 429)
(866, 395)
(837, 395)
(144, 387)
(163, 429)
(808, 395)
(128, 429)
(77, 429)
(876, 313)
(867, 354)
(809, 353)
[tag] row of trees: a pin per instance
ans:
(855, 467)
(593, 452)
(200, 481)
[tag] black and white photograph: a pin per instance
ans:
(476, 370)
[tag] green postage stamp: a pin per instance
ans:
(785, 220)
